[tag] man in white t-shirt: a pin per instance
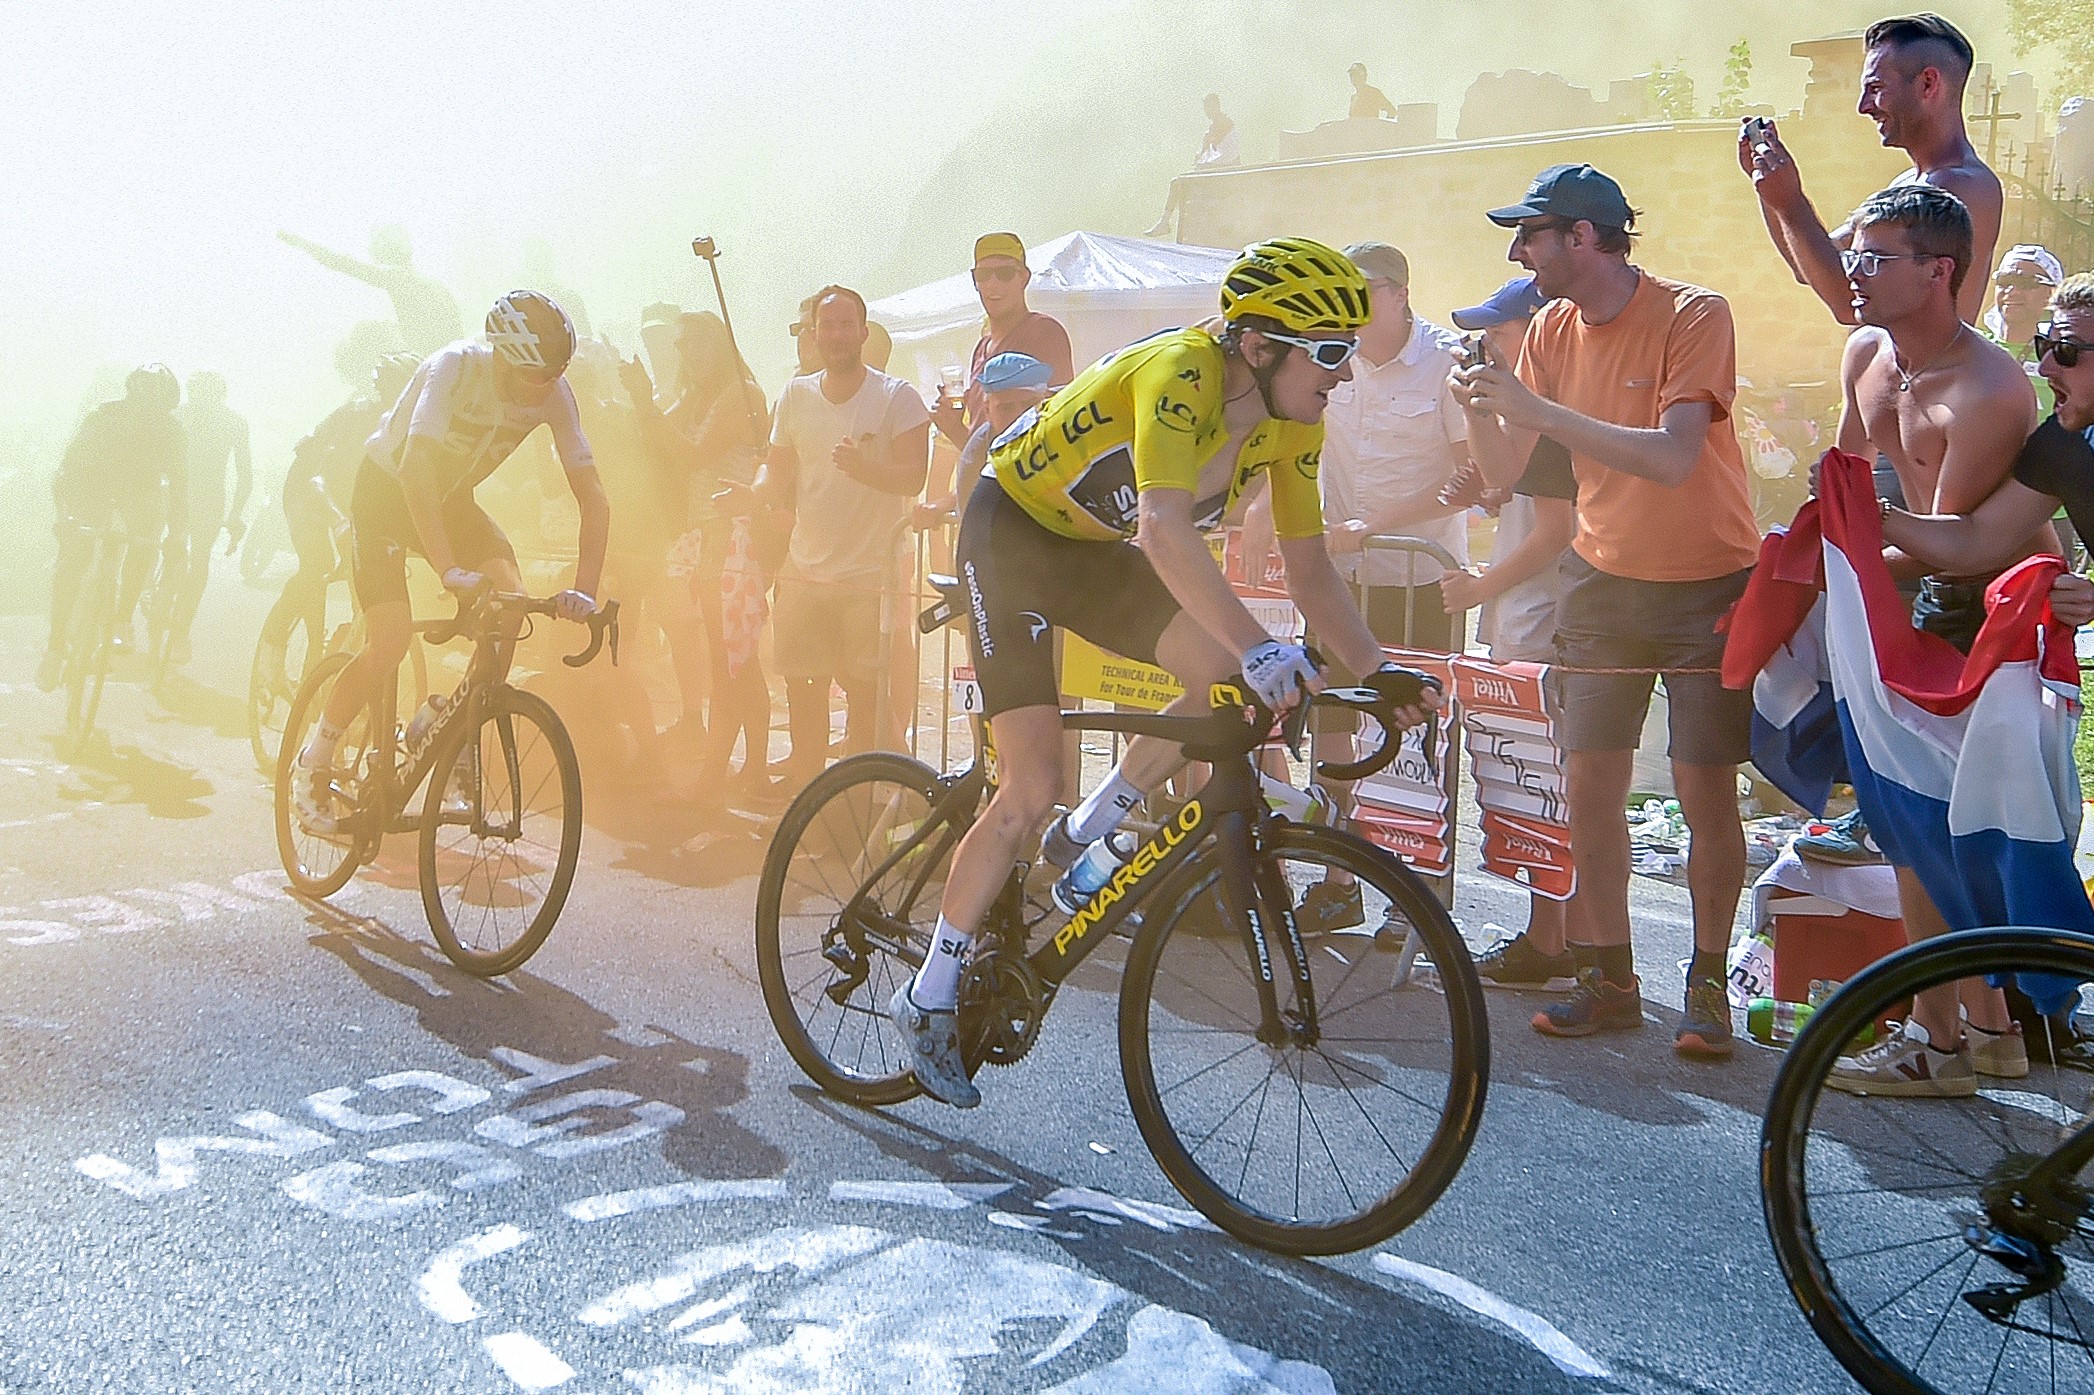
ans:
(849, 454)
(1393, 439)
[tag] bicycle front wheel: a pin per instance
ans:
(501, 833)
(1905, 1226)
(833, 942)
(90, 646)
(1331, 1137)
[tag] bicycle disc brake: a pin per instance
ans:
(1002, 1003)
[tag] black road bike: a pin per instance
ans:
(1305, 1090)
(1938, 1245)
(500, 823)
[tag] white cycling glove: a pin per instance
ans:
(574, 605)
(1277, 671)
(463, 581)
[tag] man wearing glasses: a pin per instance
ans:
(1013, 327)
(1635, 376)
(1951, 412)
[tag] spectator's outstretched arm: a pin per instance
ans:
(903, 472)
(1799, 234)
(1975, 542)
(367, 272)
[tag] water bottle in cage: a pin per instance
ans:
(1312, 805)
(1092, 871)
(424, 721)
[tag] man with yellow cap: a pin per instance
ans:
(1011, 327)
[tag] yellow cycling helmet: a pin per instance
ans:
(1303, 284)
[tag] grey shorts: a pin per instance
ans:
(1616, 622)
(824, 629)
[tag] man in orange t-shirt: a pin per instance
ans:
(1635, 375)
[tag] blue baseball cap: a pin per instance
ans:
(1007, 371)
(1576, 192)
(1517, 299)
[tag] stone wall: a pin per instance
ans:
(1701, 220)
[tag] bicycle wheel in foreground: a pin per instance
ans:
(501, 832)
(831, 958)
(1335, 1139)
(321, 864)
(1907, 1228)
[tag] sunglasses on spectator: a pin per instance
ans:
(1328, 354)
(1869, 263)
(2065, 351)
(995, 273)
(2022, 283)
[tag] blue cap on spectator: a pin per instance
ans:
(1006, 371)
(1517, 299)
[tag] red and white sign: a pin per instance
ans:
(1519, 774)
(1405, 808)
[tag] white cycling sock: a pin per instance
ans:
(319, 747)
(1104, 808)
(937, 985)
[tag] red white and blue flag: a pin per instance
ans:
(1962, 765)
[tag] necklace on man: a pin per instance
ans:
(1907, 378)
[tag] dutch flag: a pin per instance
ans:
(1962, 765)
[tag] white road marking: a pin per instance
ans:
(1170, 1350)
(1545, 1336)
(332, 1107)
(333, 1189)
(520, 1127)
(175, 1158)
(610, 1205)
(452, 1094)
(439, 1287)
(934, 1196)
(808, 1251)
(1106, 1206)
(539, 1072)
(525, 1360)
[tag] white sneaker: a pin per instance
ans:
(1906, 1064)
(2001, 1055)
(933, 1039)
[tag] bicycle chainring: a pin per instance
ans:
(1002, 1003)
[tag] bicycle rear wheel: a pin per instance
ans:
(1328, 1141)
(320, 864)
(501, 833)
(1902, 1224)
(281, 656)
(830, 949)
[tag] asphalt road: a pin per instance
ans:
(254, 1144)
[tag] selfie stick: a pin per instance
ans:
(705, 249)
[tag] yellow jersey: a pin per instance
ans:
(1149, 417)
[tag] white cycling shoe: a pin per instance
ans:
(933, 1039)
(314, 802)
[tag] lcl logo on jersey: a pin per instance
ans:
(1306, 463)
(1083, 421)
(1179, 416)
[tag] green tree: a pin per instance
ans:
(1671, 92)
(2063, 27)
(1737, 80)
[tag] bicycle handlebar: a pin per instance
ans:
(603, 625)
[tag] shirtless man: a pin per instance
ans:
(1912, 87)
(1950, 410)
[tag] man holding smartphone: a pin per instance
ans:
(1912, 83)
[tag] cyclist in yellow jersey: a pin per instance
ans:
(1090, 517)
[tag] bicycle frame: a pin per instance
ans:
(1228, 811)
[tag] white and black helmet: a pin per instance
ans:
(531, 331)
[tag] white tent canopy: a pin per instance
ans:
(1106, 291)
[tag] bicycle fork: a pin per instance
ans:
(1255, 897)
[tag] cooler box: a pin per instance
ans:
(1819, 938)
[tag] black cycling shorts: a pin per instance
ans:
(384, 534)
(1021, 581)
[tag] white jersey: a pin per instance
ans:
(452, 401)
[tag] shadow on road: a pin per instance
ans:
(1356, 1330)
(523, 1012)
(183, 699)
(112, 774)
